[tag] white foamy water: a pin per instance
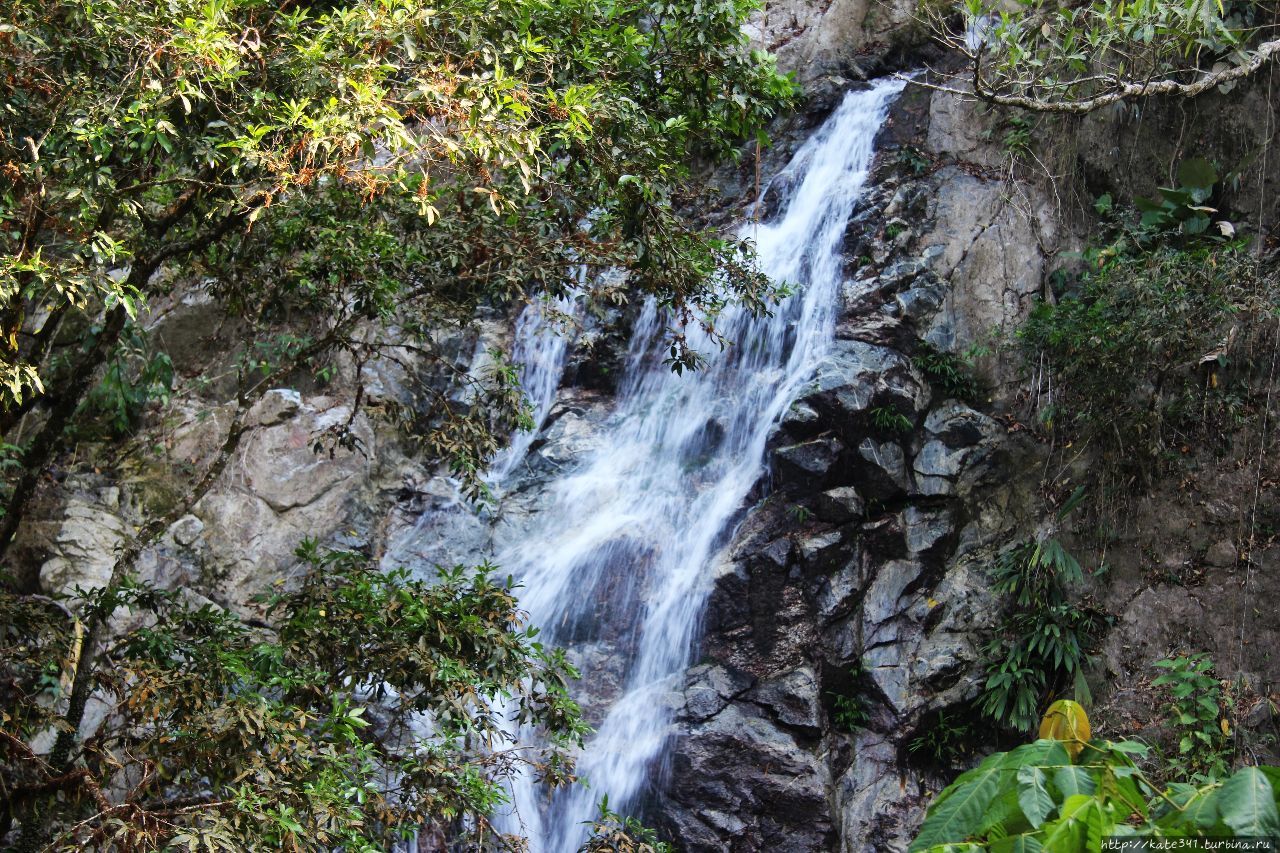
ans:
(619, 557)
(539, 348)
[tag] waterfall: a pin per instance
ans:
(539, 348)
(617, 563)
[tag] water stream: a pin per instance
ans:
(623, 544)
(539, 347)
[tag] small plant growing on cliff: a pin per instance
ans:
(1041, 644)
(1017, 135)
(913, 160)
(1198, 708)
(1184, 209)
(850, 714)
(889, 420)
(799, 513)
(944, 740)
(947, 371)
(850, 709)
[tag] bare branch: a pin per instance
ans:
(1263, 54)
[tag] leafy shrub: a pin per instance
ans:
(612, 833)
(799, 513)
(1183, 209)
(1048, 57)
(1197, 708)
(136, 376)
(1036, 798)
(390, 167)
(850, 708)
(851, 714)
(1148, 354)
(913, 160)
(1041, 645)
(1017, 134)
(363, 706)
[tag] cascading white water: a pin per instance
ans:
(539, 348)
(621, 549)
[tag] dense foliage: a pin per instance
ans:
(1197, 711)
(362, 707)
(1038, 797)
(1147, 351)
(1082, 56)
(347, 182)
(332, 166)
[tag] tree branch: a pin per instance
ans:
(1262, 54)
(65, 404)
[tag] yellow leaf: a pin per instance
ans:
(1067, 721)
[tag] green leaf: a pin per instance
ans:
(1247, 804)
(1033, 795)
(1016, 844)
(1074, 781)
(1196, 224)
(1066, 833)
(962, 810)
(1097, 825)
(1128, 747)
(1198, 173)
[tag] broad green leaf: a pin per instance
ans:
(1074, 781)
(1065, 834)
(1022, 843)
(963, 812)
(1128, 747)
(1040, 753)
(1097, 824)
(1196, 807)
(1196, 225)
(1075, 803)
(1197, 172)
(1033, 795)
(1247, 803)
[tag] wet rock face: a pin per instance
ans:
(845, 585)
(856, 590)
(732, 810)
(848, 609)
(849, 583)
